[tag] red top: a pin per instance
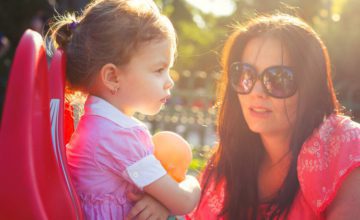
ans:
(325, 159)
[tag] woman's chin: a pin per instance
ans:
(261, 129)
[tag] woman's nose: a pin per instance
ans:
(258, 89)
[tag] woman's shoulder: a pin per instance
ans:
(336, 136)
(339, 125)
(326, 158)
(212, 201)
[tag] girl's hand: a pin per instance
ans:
(146, 208)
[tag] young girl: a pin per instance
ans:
(119, 52)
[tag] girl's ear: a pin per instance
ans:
(110, 76)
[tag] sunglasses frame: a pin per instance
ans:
(260, 77)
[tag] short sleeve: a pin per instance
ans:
(128, 152)
(326, 159)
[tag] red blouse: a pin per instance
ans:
(325, 160)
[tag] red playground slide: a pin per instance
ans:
(33, 178)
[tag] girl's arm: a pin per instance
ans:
(346, 204)
(180, 198)
(146, 207)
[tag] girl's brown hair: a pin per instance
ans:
(108, 31)
(240, 150)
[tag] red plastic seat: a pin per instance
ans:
(62, 123)
(32, 184)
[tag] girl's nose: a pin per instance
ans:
(169, 82)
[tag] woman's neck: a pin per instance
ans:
(277, 148)
(274, 166)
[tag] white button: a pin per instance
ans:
(135, 174)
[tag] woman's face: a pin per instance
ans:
(264, 114)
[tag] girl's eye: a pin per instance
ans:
(161, 70)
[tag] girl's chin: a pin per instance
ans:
(151, 112)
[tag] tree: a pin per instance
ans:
(343, 38)
(15, 18)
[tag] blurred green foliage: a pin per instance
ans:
(201, 155)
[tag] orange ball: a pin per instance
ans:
(174, 153)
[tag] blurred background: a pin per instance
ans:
(202, 27)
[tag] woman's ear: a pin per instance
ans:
(110, 76)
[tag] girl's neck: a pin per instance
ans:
(98, 89)
(113, 100)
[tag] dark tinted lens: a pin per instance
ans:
(280, 81)
(242, 77)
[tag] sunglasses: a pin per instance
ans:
(277, 81)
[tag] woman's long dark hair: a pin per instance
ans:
(238, 156)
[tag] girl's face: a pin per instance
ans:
(264, 114)
(145, 80)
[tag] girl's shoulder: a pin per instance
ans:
(98, 127)
(326, 158)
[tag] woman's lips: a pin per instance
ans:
(259, 111)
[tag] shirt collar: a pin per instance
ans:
(97, 106)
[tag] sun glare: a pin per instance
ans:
(216, 7)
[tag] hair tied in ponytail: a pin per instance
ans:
(72, 26)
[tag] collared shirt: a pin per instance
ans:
(109, 155)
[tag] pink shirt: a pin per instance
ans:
(325, 159)
(109, 155)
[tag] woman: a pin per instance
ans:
(285, 151)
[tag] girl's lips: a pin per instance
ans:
(163, 100)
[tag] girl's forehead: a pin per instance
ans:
(152, 45)
(156, 51)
